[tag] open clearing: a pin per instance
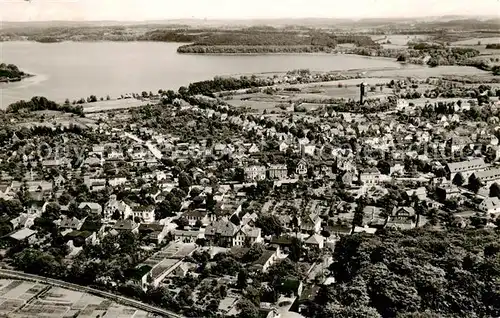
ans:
(398, 40)
(54, 119)
(474, 41)
(113, 104)
(424, 71)
(310, 94)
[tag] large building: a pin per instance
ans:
(277, 171)
(466, 168)
(370, 176)
(488, 177)
(255, 173)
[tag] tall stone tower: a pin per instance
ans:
(362, 93)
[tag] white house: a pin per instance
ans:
(145, 213)
(114, 205)
(255, 173)
(370, 176)
(301, 167)
(490, 205)
(247, 235)
(316, 240)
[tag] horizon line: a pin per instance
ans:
(465, 15)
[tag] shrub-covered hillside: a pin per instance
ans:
(419, 273)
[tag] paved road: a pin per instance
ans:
(119, 299)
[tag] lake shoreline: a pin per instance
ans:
(209, 54)
(16, 79)
(107, 69)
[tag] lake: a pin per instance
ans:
(79, 69)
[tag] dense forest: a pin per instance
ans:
(10, 71)
(219, 84)
(167, 36)
(257, 41)
(418, 273)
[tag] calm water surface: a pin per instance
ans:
(79, 69)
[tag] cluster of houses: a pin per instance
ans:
(423, 158)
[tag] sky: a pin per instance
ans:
(140, 10)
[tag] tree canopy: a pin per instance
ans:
(415, 274)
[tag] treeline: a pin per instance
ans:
(255, 38)
(41, 103)
(219, 84)
(418, 273)
(167, 36)
(432, 54)
(495, 46)
(46, 39)
(251, 49)
(453, 56)
(271, 41)
(424, 46)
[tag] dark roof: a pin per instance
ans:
(371, 170)
(91, 225)
(124, 225)
(239, 252)
(338, 229)
(83, 234)
(196, 213)
(223, 228)
(152, 227)
(282, 240)
(266, 255)
(142, 208)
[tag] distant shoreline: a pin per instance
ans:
(15, 79)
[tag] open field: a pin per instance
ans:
(23, 299)
(113, 104)
(53, 119)
(424, 71)
(313, 93)
(254, 104)
(475, 41)
(397, 40)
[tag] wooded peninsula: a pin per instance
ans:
(11, 73)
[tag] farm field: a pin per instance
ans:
(309, 95)
(54, 119)
(23, 299)
(475, 41)
(397, 40)
(253, 104)
(425, 72)
(113, 104)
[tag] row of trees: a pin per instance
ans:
(252, 49)
(38, 103)
(495, 46)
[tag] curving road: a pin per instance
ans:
(59, 283)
